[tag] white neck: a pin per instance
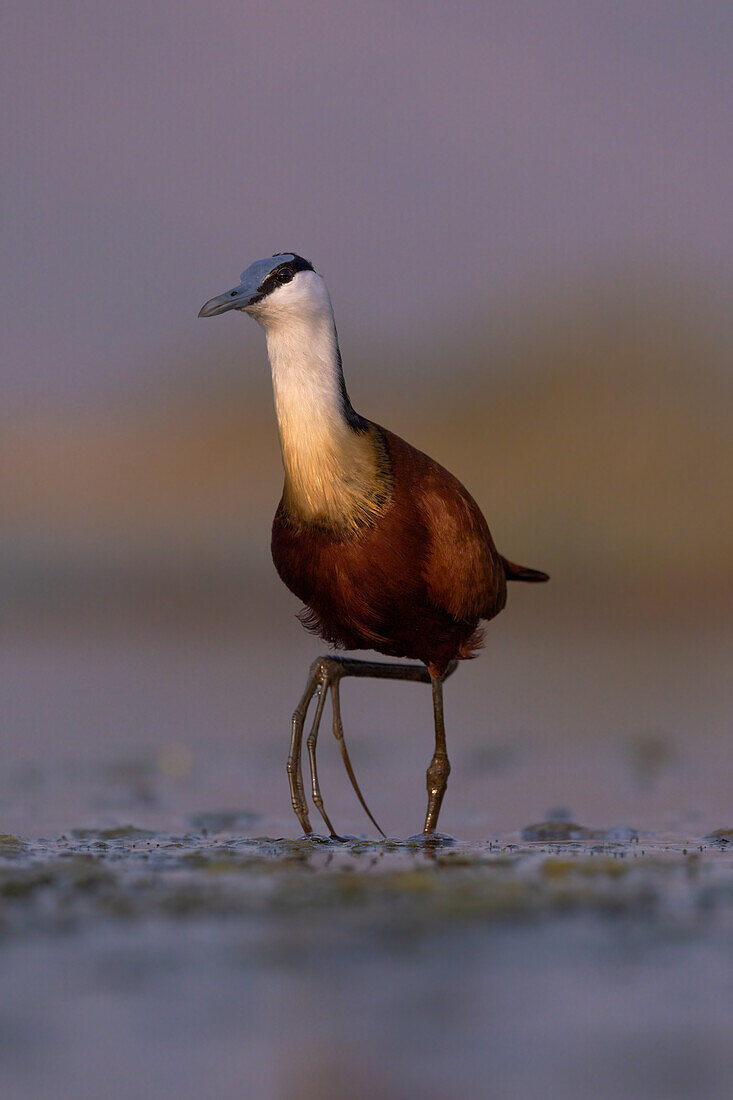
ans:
(329, 467)
(305, 379)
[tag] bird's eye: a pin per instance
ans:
(233, 293)
(285, 274)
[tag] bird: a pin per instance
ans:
(384, 547)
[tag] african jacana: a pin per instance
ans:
(385, 548)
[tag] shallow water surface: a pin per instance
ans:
(164, 931)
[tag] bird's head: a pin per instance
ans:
(281, 287)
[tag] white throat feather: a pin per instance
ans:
(336, 471)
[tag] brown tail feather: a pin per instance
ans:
(522, 573)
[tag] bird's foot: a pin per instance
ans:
(432, 840)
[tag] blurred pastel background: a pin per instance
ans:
(522, 210)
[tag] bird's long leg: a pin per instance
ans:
(381, 670)
(312, 742)
(295, 772)
(326, 673)
(437, 774)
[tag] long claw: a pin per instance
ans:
(312, 742)
(338, 732)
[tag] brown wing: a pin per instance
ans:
(463, 571)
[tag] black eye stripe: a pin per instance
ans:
(290, 269)
(271, 281)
